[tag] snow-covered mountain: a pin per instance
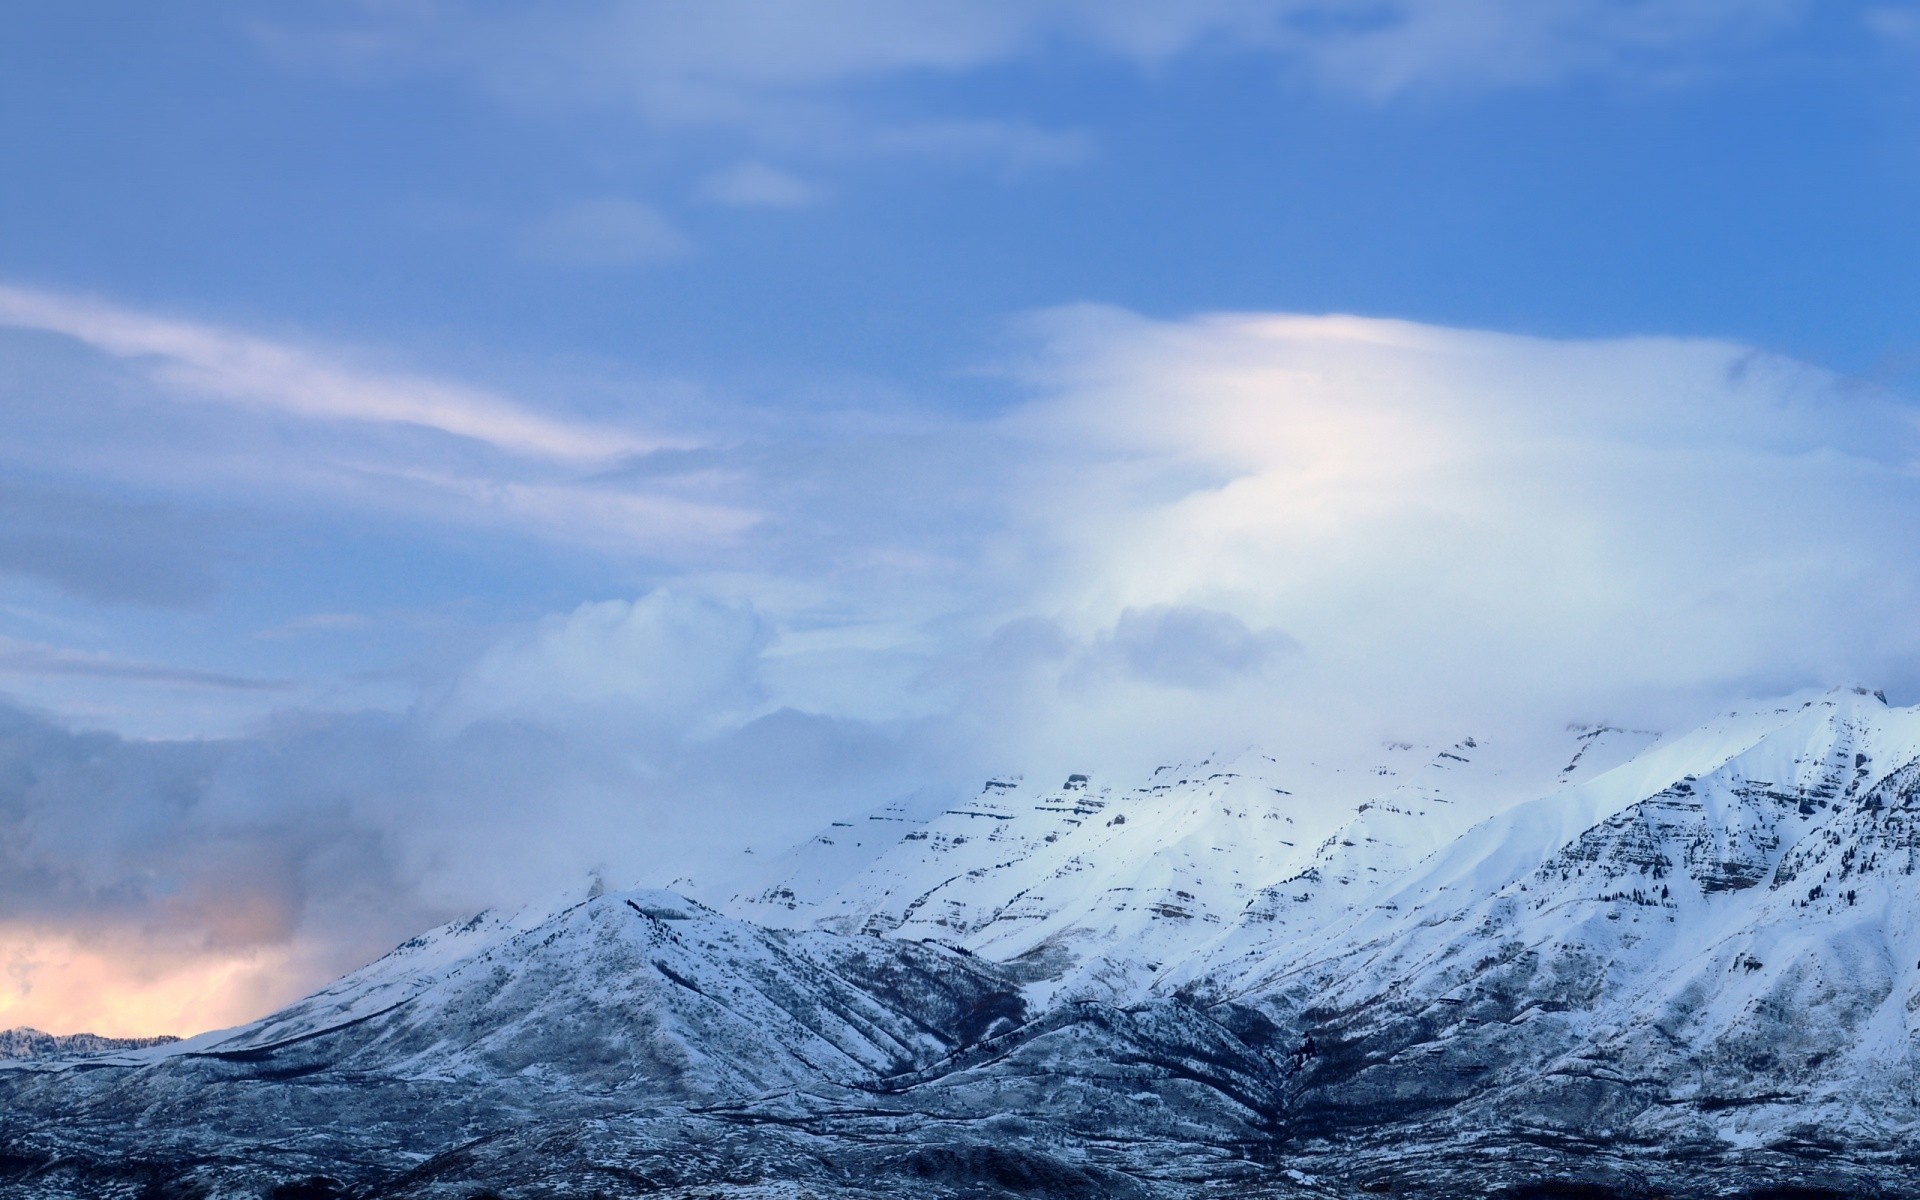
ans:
(1642, 966)
(1093, 891)
(26, 1042)
(1718, 944)
(644, 993)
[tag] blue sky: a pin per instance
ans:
(447, 448)
(371, 173)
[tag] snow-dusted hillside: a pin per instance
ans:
(32, 1043)
(1731, 957)
(1679, 966)
(644, 993)
(1091, 890)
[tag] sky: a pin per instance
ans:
(452, 450)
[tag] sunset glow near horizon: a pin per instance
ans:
(451, 456)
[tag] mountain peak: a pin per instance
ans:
(1463, 967)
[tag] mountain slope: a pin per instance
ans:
(1099, 892)
(1732, 960)
(1672, 975)
(623, 1001)
(32, 1043)
(642, 993)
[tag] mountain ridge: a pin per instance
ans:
(26, 1042)
(1687, 964)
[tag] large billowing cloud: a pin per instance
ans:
(1467, 526)
(1190, 534)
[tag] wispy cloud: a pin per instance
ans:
(1896, 23)
(1014, 146)
(606, 232)
(741, 61)
(35, 658)
(320, 623)
(605, 517)
(1387, 51)
(754, 184)
(205, 362)
(219, 420)
(797, 82)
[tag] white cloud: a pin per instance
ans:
(683, 660)
(602, 517)
(1385, 51)
(754, 184)
(209, 363)
(1204, 532)
(805, 82)
(607, 232)
(197, 419)
(1012, 145)
(1200, 531)
(1459, 526)
(1195, 534)
(740, 61)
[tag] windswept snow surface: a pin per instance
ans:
(1681, 966)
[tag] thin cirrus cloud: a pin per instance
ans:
(609, 519)
(689, 63)
(1410, 47)
(605, 232)
(754, 184)
(206, 362)
(794, 81)
(31, 658)
(222, 417)
(1012, 145)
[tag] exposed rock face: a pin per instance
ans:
(1694, 974)
(1679, 972)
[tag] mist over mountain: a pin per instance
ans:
(828, 599)
(1636, 965)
